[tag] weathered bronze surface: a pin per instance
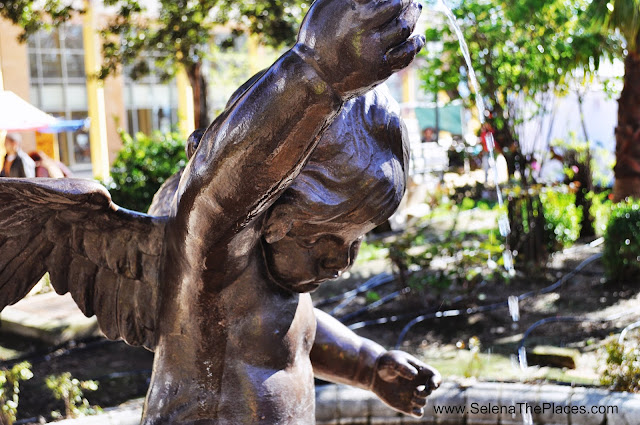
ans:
(274, 201)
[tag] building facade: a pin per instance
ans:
(48, 71)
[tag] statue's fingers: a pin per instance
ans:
(399, 30)
(417, 412)
(422, 391)
(419, 402)
(401, 56)
(385, 11)
(405, 370)
(392, 367)
(430, 376)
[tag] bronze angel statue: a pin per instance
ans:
(308, 157)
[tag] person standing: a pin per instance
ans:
(16, 162)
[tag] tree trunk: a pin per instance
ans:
(627, 169)
(199, 86)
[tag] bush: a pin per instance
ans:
(622, 367)
(562, 218)
(10, 390)
(142, 165)
(600, 210)
(71, 391)
(621, 254)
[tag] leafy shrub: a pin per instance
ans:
(467, 256)
(600, 210)
(622, 367)
(71, 391)
(562, 217)
(10, 389)
(142, 165)
(621, 254)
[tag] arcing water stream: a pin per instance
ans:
(503, 220)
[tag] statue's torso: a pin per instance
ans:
(237, 355)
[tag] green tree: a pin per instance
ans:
(521, 51)
(624, 16)
(179, 34)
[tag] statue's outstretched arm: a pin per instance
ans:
(399, 379)
(252, 152)
(107, 257)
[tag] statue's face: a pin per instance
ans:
(310, 254)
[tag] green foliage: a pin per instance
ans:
(142, 165)
(33, 16)
(600, 210)
(178, 37)
(622, 15)
(581, 152)
(467, 204)
(475, 365)
(180, 34)
(371, 251)
(372, 296)
(463, 259)
(622, 367)
(562, 217)
(519, 50)
(71, 391)
(621, 255)
(10, 390)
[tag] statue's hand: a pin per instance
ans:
(356, 44)
(404, 382)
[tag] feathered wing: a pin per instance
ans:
(107, 257)
(163, 198)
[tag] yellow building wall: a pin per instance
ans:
(115, 112)
(15, 71)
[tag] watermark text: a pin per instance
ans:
(525, 408)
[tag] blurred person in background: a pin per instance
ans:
(49, 167)
(16, 162)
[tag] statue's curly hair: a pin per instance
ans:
(358, 171)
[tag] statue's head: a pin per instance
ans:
(353, 182)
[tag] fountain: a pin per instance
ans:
(503, 221)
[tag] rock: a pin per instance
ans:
(543, 355)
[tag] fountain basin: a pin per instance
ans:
(484, 403)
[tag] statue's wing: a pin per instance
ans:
(107, 257)
(163, 198)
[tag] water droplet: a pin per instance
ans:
(508, 260)
(514, 308)
(522, 358)
(503, 225)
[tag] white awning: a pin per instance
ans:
(17, 114)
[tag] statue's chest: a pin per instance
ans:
(270, 329)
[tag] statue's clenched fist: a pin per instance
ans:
(404, 382)
(356, 44)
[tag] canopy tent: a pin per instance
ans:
(449, 118)
(17, 114)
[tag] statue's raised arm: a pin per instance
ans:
(251, 153)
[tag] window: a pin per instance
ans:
(151, 103)
(58, 85)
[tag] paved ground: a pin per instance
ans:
(48, 317)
